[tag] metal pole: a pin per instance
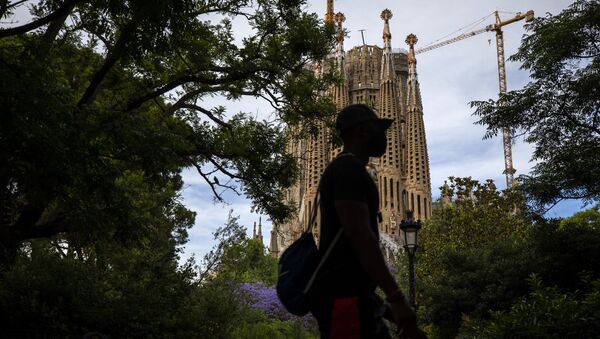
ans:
(411, 280)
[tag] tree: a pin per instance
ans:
(559, 110)
(546, 312)
(479, 250)
(464, 264)
(236, 258)
(103, 103)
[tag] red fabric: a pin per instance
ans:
(345, 320)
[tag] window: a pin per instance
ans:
(385, 191)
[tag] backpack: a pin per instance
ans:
(298, 268)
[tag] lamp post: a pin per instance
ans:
(410, 229)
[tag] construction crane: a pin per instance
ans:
(509, 170)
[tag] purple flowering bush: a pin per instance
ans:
(264, 299)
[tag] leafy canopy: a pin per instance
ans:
(103, 103)
(559, 110)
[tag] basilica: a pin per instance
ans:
(384, 78)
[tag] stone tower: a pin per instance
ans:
(418, 183)
(388, 167)
(385, 79)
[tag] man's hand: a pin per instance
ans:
(406, 320)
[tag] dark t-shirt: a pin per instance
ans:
(346, 178)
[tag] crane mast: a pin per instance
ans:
(509, 170)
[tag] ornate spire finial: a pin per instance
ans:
(411, 40)
(254, 231)
(339, 18)
(339, 37)
(386, 15)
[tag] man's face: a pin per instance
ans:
(377, 140)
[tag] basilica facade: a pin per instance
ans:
(384, 78)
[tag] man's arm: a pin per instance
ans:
(354, 217)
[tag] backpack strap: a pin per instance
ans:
(317, 200)
(313, 216)
(314, 275)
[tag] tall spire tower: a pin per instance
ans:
(388, 169)
(339, 92)
(418, 183)
(329, 13)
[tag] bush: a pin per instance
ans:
(546, 313)
(271, 329)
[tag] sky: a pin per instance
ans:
(450, 77)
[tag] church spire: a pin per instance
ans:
(340, 91)
(273, 245)
(414, 92)
(388, 169)
(418, 183)
(387, 65)
(259, 235)
(329, 13)
(339, 36)
(386, 15)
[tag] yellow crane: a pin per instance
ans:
(509, 170)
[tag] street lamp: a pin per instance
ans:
(410, 229)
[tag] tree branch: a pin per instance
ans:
(222, 169)
(210, 183)
(63, 10)
(113, 56)
(208, 114)
(57, 23)
(46, 230)
(231, 77)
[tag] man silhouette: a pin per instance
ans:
(343, 298)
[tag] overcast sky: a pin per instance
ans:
(450, 77)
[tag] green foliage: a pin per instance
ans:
(546, 313)
(558, 110)
(475, 216)
(102, 104)
(467, 277)
(568, 249)
(275, 329)
(105, 104)
(138, 294)
(248, 262)
(237, 259)
(477, 281)
(472, 240)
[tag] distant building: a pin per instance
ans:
(258, 235)
(385, 79)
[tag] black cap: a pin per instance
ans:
(357, 114)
